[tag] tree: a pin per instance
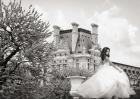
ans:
(23, 47)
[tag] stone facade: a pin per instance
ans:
(79, 48)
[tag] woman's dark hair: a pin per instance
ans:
(103, 53)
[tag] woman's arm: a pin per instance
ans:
(115, 66)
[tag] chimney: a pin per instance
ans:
(94, 34)
(94, 28)
(56, 30)
(74, 36)
(56, 33)
(75, 27)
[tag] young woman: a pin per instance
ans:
(108, 81)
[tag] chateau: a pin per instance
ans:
(79, 48)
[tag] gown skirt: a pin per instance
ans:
(106, 83)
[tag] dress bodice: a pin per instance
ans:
(106, 64)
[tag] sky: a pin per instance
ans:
(118, 20)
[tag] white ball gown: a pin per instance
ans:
(106, 83)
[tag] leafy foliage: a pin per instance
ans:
(25, 55)
(61, 85)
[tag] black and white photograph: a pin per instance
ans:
(69, 49)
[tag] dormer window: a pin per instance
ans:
(125, 70)
(133, 72)
(79, 51)
(129, 71)
(137, 72)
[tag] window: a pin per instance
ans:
(88, 65)
(79, 51)
(137, 72)
(77, 60)
(133, 72)
(58, 67)
(125, 70)
(129, 71)
(64, 65)
(77, 65)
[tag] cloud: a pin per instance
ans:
(60, 19)
(132, 33)
(135, 49)
(117, 33)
